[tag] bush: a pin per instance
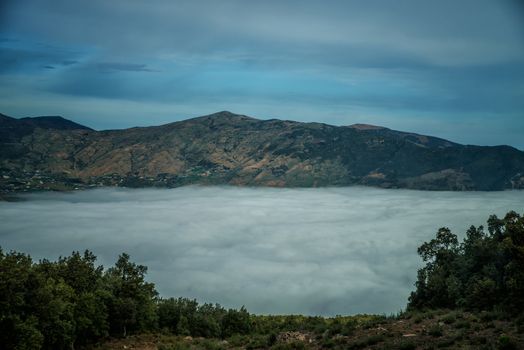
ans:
(236, 322)
(435, 331)
(366, 342)
(507, 343)
(296, 345)
(328, 343)
(349, 327)
(418, 319)
(210, 344)
(258, 342)
(449, 318)
(446, 343)
(407, 345)
(463, 324)
(175, 346)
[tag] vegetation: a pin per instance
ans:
(484, 272)
(469, 295)
(57, 305)
(73, 302)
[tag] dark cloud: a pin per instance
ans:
(493, 89)
(448, 32)
(126, 67)
(22, 59)
(313, 251)
(13, 59)
(69, 62)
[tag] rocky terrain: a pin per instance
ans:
(52, 153)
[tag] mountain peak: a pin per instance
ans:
(366, 127)
(223, 114)
(54, 122)
(227, 115)
(223, 117)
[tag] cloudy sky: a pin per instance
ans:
(314, 251)
(449, 68)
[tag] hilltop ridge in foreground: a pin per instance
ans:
(227, 148)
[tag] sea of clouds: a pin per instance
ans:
(311, 251)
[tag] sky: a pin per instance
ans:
(320, 251)
(450, 68)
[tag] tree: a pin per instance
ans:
(436, 284)
(486, 271)
(132, 300)
(19, 327)
(236, 322)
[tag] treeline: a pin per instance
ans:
(484, 272)
(73, 302)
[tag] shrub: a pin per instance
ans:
(507, 343)
(462, 324)
(407, 345)
(449, 318)
(296, 345)
(175, 346)
(435, 331)
(446, 343)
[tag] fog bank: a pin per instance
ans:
(311, 251)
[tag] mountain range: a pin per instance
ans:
(54, 153)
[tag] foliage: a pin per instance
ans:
(186, 317)
(131, 304)
(71, 302)
(484, 272)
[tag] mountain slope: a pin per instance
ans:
(54, 122)
(226, 148)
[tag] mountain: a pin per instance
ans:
(227, 148)
(12, 130)
(54, 122)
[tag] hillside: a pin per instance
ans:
(226, 148)
(53, 122)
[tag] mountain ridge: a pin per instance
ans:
(228, 148)
(54, 122)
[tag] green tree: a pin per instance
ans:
(485, 271)
(436, 284)
(70, 302)
(132, 302)
(236, 322)
(19, 327)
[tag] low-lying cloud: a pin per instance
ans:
(312, 251)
